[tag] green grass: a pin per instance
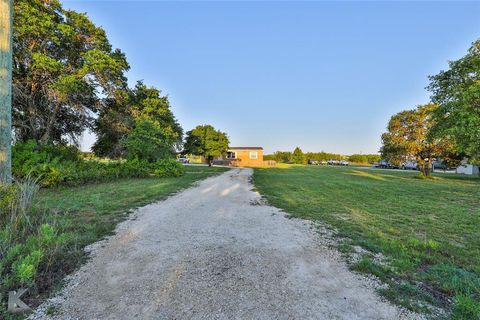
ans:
(428, 230)
(120, 195)
(88, 213)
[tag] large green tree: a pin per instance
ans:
(63, 70)
(408, 138)
(133, 114)
(457, 92)
(205, 141)
(298, 157)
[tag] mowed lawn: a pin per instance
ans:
(427, 230)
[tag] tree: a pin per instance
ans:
(364, 158)
(457, 92)
(63, 69)
(205, 141)
(282, 156)
(5, 91)
(408, 138)
(147, 142)
(297, 156)
(113, 125)
(142, 106)
(358, 158)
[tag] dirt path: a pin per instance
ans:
(214, 252)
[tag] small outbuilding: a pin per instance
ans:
(469, 169)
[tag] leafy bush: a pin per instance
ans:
(54, 165)
(148, 141)
(29, 156)
(168, 168)
(7, 199)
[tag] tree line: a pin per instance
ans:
(67, 78)
(447, 128)
(297, 156)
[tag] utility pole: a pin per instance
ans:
(6, 21)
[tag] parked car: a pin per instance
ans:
(410, 165)
(333, 162)
(323, 162)
(439, 164)
(313, 162)
(183, 160)
(343, 163)
(384, 164)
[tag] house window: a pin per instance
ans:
(231, 155)
(253, 155)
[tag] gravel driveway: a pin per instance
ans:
(214, 251)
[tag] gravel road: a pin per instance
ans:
(214, 251)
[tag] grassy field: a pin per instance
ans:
(87, 213)
(427, 231)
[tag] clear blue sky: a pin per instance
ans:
(319, 75)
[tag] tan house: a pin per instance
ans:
(245, 156)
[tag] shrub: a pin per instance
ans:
(148, 141)
(30, 156)
(55, 165)
(7, 199)
(168, 168)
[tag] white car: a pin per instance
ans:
(183, 160)
(410, 165)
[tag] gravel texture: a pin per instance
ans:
(216, 251)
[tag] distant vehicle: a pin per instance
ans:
(343, 163)
(183, 160)
(410, 165)
(333, 162)
(441, 165)
(323, 162)
(384, 164)
(313, 162)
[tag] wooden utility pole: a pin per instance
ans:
(6, 20)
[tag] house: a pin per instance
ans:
(245, 156)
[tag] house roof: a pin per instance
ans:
(245, 148)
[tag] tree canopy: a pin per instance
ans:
(63, 69)
(457, 92)
(408, 138)
(67, 78)
(298, 157)
(206, 141)
(141, 113)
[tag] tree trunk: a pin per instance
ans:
(425, 167)
(46, 137)
(6, 20)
